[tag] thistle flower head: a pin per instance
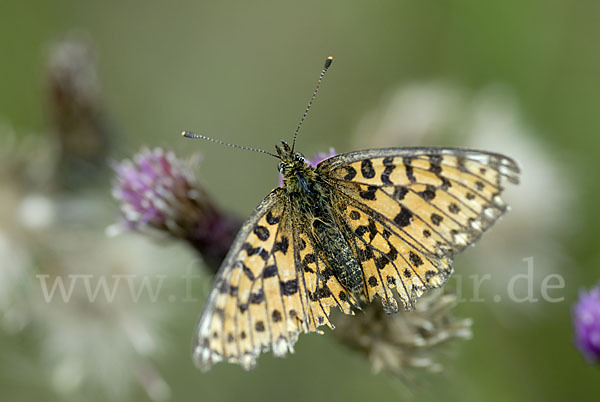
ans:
(405, 340)
(158, 192)
(586, 318)
(153, 189)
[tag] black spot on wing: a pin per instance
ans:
(415, 259)
(289, 288)
(372, 229)
(403, 218)
(366, 169)
(372, 281)
(264, 254)
(257, 297)
(261, 232)
(276, 316)
(399, 193)
(369, 194)
(435, 164)
(454, 208)
(248, 272)
(410, 174)
(272, 220)
(361, 230)
(429, 193)
(322, 293)
(445, 183)
(270, 271)
(430, 274)
(381, 262)
(350, 173)
(436, 219)
(309, 259)
(389, 168)
(282, 245)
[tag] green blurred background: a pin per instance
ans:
(243, 71)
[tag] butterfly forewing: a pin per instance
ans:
(410, 209)
(235, 324)
(449, 196)
(273, 285)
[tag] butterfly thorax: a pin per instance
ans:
(309, 196)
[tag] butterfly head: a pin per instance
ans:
(292, 163)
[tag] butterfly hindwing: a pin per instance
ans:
(391, 259)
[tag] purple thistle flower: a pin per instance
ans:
(158, 192)
(586, 317)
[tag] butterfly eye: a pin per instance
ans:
(299, 157)
(280, 167)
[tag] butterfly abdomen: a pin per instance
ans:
(338, 255)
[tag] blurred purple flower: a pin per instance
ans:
(586, 317)
(321, 156)
(158, 192)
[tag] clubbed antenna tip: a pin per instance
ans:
(326, 66)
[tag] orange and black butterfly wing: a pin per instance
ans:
(410, 209)
(242, 317)
(273, 285)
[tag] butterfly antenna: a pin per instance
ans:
(328, 62)
(189, 134)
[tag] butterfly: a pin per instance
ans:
(379, 223)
